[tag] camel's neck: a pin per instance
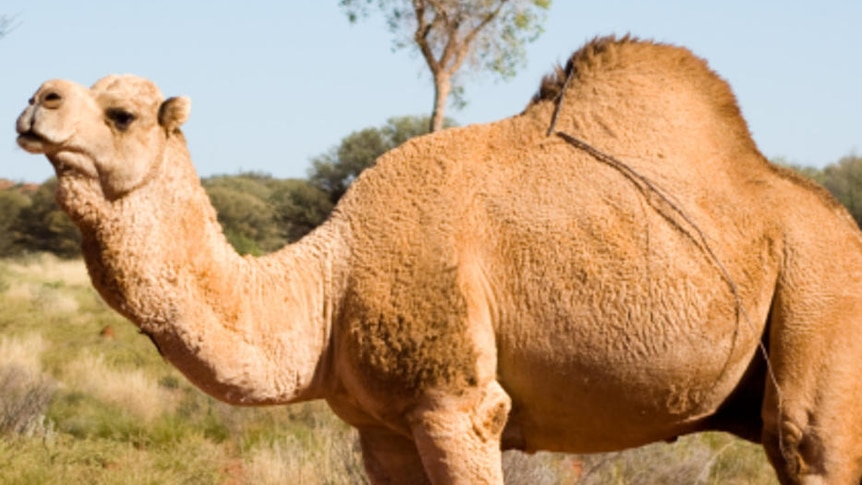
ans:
(246, 330)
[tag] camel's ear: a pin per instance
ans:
(174, 112)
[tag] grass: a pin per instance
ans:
(84, 398)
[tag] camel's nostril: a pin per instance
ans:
(52, 99)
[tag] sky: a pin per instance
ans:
(276, 83)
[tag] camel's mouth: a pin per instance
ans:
(65, 159)
(33, 142)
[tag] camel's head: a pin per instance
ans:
(115, 132)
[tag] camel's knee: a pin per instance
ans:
(459, 436)
(481, 413)
(489, 417)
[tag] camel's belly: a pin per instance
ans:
(582, 395)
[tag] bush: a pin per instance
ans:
(299, 207)
(44, 227)
(12, 202)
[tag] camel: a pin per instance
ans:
(497, 286)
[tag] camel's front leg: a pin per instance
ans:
(391, 459)
(458, 436)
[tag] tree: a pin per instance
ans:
(12, 202)
(43, 226)
(259, 214)
(449, 34)
(244, 212)
(334, 171)
(299, 207)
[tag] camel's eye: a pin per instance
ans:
(120, 117)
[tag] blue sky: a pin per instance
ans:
(276, 83)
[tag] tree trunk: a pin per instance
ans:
(442, 87)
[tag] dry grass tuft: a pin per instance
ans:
(24, 352)
(42, 280)
(47, 267)
(327, 456)
(131, 390)
(538, 469)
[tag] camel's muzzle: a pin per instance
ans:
(32, 142)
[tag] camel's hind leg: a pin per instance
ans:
(813, 418)
(458, 436)
(812, 454)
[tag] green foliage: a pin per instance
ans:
(260, 214)
(244, 210)
(299, 207)
(43, 227)
(334, 171)
(84, 416)
(12, 202)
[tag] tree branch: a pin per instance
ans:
(453, 46)
(443, 19)
(439, 7)
(423, 28)
(461, 55)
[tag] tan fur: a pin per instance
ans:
(491, 286)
